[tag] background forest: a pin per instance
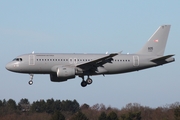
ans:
(71, 110)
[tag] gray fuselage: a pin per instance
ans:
(45, 63)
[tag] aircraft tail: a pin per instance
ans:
(157, 42)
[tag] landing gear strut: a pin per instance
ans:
(31, 79)
(87, 82)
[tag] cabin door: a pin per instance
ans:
(135, 60)
(31, 60)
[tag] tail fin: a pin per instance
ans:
(157, 42)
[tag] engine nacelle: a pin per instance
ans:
(54, 78)
(66, 72)
(63, 73)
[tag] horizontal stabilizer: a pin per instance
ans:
(161, 58)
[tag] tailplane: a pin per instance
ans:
(157, 42)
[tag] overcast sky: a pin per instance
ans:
(90, 27)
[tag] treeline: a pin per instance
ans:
(71, 110)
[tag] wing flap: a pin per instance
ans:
(96, 62)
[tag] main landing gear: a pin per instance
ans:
(31, 79)
(87, 82)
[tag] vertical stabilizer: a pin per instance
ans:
(157, 42)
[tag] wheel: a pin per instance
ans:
(30, 82)
(89, 81)
(83, 83)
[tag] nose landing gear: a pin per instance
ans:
(31, 79)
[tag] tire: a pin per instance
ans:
(89, 81)
(30, 82)
(83, 83)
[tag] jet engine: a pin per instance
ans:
(63, 74)
(66, 72)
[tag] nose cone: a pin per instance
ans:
(8, 67)
(11, 67)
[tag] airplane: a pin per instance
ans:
(63, 66)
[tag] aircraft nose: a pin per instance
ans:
(8, 66)
(14, 67)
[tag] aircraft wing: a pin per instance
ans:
(92, 65)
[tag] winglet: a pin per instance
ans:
(120, 52)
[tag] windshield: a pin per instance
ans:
(17, 59)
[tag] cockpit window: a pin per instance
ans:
(17, 59)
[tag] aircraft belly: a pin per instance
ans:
(118, 68)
